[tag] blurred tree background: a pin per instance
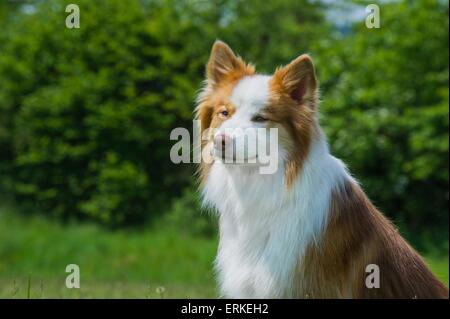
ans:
(385, 109)
(85, 114)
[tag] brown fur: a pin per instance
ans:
(293, 104)
(358, 235)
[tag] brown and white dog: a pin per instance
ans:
(307, 230)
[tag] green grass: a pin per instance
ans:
(112, 264)
(55, 288)
(34, 253)
(439, 265)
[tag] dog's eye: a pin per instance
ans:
(258, 118)
(223, 114)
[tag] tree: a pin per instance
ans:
(87, 113)
(385, 108)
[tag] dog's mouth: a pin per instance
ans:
(238, 161)
(225, 158)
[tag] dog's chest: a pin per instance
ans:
(252, 262)
(265, 232)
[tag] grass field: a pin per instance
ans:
(117, 264)
(152, 263)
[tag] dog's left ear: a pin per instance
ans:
(298, 80)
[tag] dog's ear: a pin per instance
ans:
(298, 79)
(222, 63)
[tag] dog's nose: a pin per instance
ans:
(220, 140)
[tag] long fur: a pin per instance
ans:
(308, 230)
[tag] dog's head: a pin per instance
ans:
(237, 104)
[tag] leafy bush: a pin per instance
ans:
(86, 113)
(186, 215)
(385, 109)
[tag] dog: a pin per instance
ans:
(308, 230)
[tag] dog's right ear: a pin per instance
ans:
(224, 63)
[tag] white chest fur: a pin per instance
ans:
(264, 229)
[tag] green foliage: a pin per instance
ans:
(385, 109)
(86, 113)
(272, 33)
(121, 187)
(187, 216)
